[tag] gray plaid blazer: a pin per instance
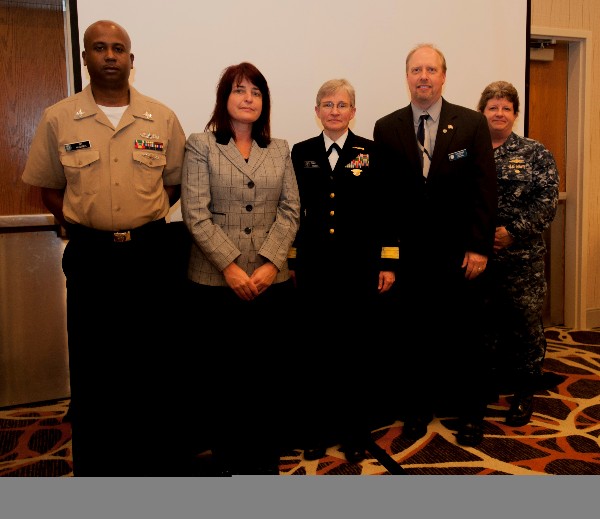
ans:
(237, 211)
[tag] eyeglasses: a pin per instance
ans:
(340, 106)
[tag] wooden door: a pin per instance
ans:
(547, 113)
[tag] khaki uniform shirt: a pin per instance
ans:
(113, 177)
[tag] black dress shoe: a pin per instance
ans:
(470, 433)
(491, 397)
(223, 470)
(223, 473)
(415, 427)
(520, 410)
(354, 452)
(314, 453)
(264, 469)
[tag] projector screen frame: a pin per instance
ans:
(296, 121)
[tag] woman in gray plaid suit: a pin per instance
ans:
(240, 203)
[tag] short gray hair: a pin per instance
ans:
(332, 86)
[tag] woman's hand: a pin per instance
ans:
(264, 276)
(240, 282)
(502, 239)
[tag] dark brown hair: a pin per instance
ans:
(499, 90)
(220, 120)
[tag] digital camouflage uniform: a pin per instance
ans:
(527, 203)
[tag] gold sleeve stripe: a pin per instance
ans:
(389, 253)
(292, 253)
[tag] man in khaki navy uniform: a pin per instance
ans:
(343, 260)
(108, 161)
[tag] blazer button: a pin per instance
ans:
(247, 230)
(331, 231)
(331, 195)
(251, 184)
(249, 207)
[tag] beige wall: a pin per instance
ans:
(583, 15)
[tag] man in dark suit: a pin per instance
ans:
(343, 261)
(446, 188)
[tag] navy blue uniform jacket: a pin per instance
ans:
(346, 225)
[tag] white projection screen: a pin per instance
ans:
(182, 46)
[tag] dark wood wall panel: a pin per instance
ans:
(33, 75)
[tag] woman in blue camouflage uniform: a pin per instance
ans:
(527, 202)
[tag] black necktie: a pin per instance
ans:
(334, 146)
(421, 129)
(424, 143)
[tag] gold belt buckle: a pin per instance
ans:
(121, 236)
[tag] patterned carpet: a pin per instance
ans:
(561, 439)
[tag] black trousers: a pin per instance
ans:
(243, 370)
(342, 339)
(128, 362)
(445, 362)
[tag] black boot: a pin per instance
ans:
(520, 410)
